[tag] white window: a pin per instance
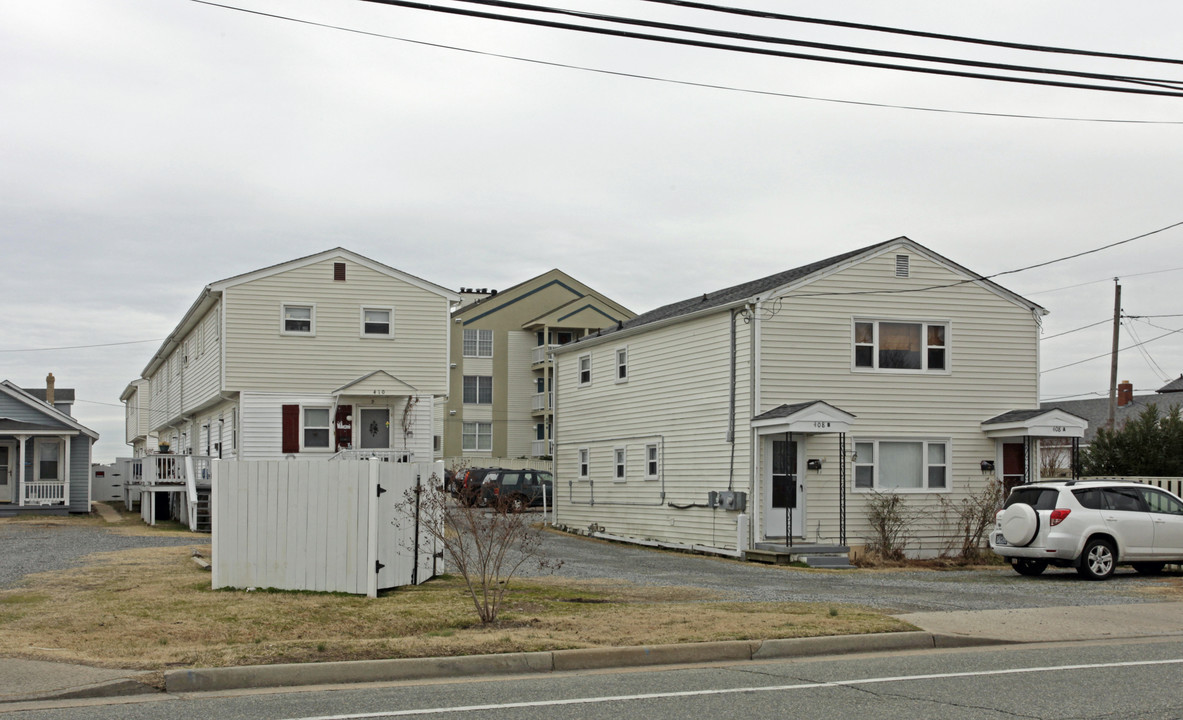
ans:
(478, 390)
(619, 472)
(650, 462)
(477, 436)
(621, 365)
(377, 322)
(316, 430)
(297, 319)
(901, 465)
(901, 346)
(584, 463)
(585, 369)
(478, 343)
(48, 459)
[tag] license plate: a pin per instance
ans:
(1000, 540)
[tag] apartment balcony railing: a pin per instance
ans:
(540, 402)
(538, 354)
(542, 448)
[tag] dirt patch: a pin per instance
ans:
(153, 609)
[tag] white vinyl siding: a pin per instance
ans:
(185, 385)
(260, 359)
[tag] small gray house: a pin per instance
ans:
(45, 454)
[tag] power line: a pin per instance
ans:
(911, 33)
(1150, 363)
(1086, 327)
(690, 83)
(1103, 355)
(751, 37)
(409, 4)
(82, 347)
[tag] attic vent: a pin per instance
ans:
(901, 266)
(339, 272)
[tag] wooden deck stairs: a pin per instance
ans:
(812, 554)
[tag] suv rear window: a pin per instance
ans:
(1040, 498)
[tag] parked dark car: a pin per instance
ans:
(466, 485)
(516, 489)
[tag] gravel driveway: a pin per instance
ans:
(31, 547)
(895, 591)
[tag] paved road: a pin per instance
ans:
(891, 590)
(32, 547)
(1094, 680)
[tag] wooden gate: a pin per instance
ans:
(350, 526)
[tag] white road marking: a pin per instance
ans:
(734, 691)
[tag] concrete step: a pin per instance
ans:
(832, 562)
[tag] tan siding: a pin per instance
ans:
(676, 397)
(520, 390)
(259, 358)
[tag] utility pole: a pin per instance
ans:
(1113, 359)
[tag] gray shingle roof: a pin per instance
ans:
(1173, 386)
(59, 394)
(1096, 411)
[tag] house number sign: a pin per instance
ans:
(379, 392)
(1059, 428)
(821, 424)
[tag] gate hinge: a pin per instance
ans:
(378, 567)
(381, 490)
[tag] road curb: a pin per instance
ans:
(363, 671)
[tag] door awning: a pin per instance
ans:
(378, 382)
(1049, 423)
(813, 417)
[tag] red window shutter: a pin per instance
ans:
(291, 428)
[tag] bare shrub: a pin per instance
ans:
(890, 518)
(971, 518)
(1054, 460)
(487, 548)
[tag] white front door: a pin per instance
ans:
(784, 490)
(374, 431)
(7, 474)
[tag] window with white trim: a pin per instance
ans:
(478, 389)
(315, 428)
(377, 322)
(619, 456)
(651, 462)
(48, 452)
(584, 463)
(901, 346)
(585, 369)
(477, 436)
(297, 319)
(621, 364)
(478, 343)
(918, 465)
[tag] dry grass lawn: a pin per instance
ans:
(153, 609)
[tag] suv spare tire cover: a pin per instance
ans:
(1020, 524)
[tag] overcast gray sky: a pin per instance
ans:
(149, 147)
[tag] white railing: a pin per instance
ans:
(399, 456)
(540, 401)
(538, 354)
(45, 493)
(541, 448)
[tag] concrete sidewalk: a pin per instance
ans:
(24, 680)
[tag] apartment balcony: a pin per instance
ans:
(542, 448)
(541, 403)
(538, 355)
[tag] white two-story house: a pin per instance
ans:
(333, 354)
(768, 413)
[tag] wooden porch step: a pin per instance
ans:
(813, 555)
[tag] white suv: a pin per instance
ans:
(1091, 525)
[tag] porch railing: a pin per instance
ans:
(400, 456)
(540, 401)
(541, 448)
(45, 493)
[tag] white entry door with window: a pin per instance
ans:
(784, 491)
(374, 431)
(7, 474)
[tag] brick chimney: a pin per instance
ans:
(49, 389)
(1125, 393)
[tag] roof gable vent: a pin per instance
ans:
(901, 266)
(339, 272)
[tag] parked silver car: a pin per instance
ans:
(1090, 525)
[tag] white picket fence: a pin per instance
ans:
(323, 526)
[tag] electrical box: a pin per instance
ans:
(733, 500)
